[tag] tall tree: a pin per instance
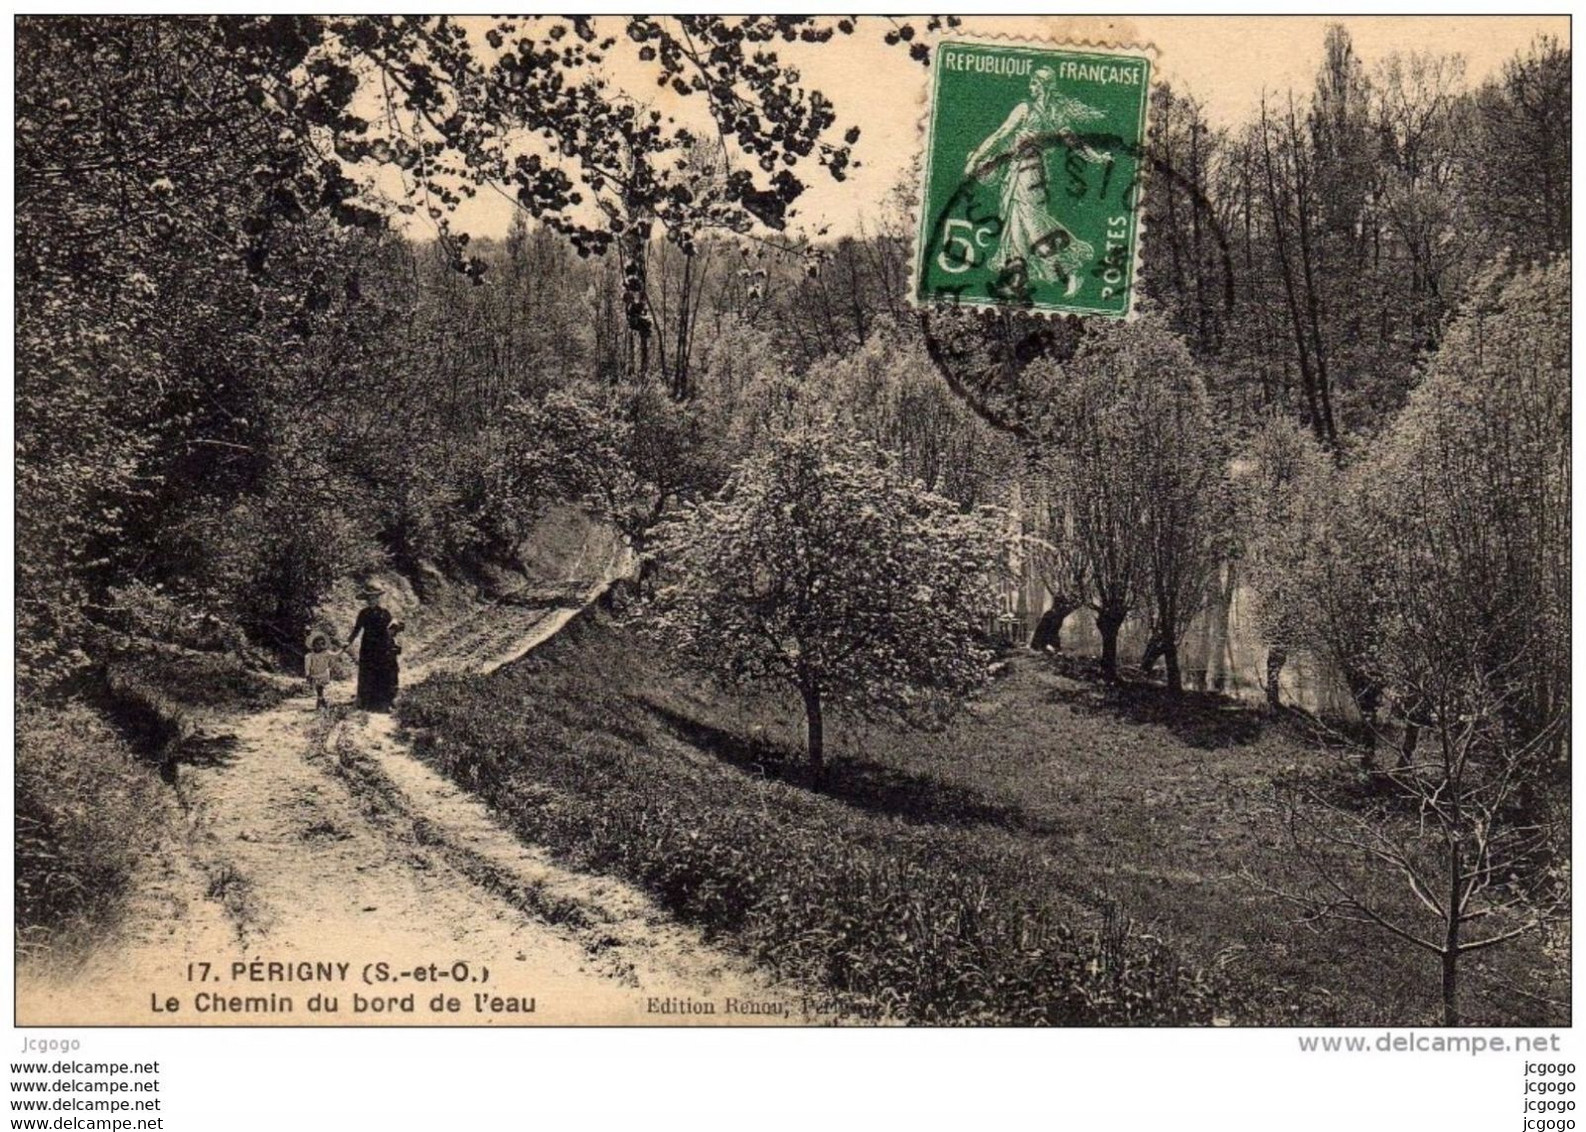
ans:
(186, 190)
(1517, 156)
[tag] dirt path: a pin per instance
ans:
(314, 838)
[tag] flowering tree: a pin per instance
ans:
(819, 568)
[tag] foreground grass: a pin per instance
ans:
(1170, 808)
(1065, 853)
(858, 890)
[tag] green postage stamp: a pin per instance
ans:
(1033, 167)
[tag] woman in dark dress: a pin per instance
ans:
(377, 655)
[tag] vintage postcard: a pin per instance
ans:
(695, 520)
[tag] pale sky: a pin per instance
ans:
(1224, 61)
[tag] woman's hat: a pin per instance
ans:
(371, 589)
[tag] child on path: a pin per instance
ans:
(316, 667)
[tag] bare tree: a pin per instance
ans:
(1450, 829)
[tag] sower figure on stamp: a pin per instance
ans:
(378, 652)
(1032, 239)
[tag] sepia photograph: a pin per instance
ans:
(791, 520)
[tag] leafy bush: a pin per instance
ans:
(919, 922)
(271, 559)
(139, 610)
(86, 812)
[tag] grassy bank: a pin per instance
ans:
(899, 896)
(87, 810)
(91, 804)
(1065, 853)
